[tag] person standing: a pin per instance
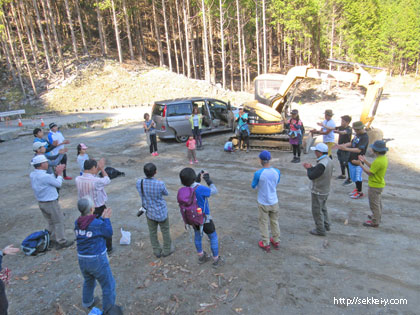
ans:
(320, 176)
(356, 147)
(266, 180)
(45, 187)
(90, 184)
(376, 171)
(4, 305)
(345, 133)
(82, 156)
(191, 144)
(39, 149)
(91, 235)
(327, 131)
(39, 137)
(56, 135)
(295, 125)
(189, 178)
(151, 192)
(196, 121)
(242, 128)
(150, 130)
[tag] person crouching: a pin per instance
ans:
(91, 234)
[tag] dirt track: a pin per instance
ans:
(302, 278)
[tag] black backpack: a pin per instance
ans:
(112, 172)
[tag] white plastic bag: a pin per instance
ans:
(125, 237)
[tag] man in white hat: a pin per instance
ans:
(45, 187)
(320, 175)
(39, 149)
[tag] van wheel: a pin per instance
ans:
(181, 139)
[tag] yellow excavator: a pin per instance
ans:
(274, 93)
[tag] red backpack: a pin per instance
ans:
(188, 206)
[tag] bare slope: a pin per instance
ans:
(106, 84)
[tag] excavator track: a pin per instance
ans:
(273, 142)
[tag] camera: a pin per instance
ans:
(141, 211)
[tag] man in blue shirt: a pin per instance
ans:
(202, 193)
(151, 192)
(266, 180)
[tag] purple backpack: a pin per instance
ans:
(188, 206)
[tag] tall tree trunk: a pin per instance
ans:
(180, 36)
(270, 48)
(57, 42)
(48, 27)
(257, 37)
(117, 31)
(157, 35)
(205, 44)
(194, 50)
(246, 69)
(127, 26)
(332, 33)
(212, 67)
(196, 55)
(239, 44)
(187, 37)
(222, 44)
(168, 43)
(9, 61)
(73, 36)
(102, 36)
(278, 35)
(264, 38)
(15, 55)
(139, 24)
(82, 31)
(25, 58)
(28, 35)
(44, 42)
(231, 61)
(171, 22)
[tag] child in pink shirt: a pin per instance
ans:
(191, 150)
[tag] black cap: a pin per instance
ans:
(52, 125)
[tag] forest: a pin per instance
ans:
(220, 41)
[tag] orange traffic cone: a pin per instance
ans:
(20, 123)
(42, 123)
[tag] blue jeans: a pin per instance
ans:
(97, 268)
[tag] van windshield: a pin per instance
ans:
(180, 109)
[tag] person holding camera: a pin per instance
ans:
(151, 192)
(190, 179)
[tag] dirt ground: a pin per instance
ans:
(303, 277)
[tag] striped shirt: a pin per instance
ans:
(93, 186)
(153, 201)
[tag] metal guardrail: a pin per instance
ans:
(13, 112)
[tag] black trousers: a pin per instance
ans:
(296, 149)
(64, 161)
(98, 212)
(3, 299)
(153, 143)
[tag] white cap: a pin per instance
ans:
(37, 145)
(38, 159)
(321, 147)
